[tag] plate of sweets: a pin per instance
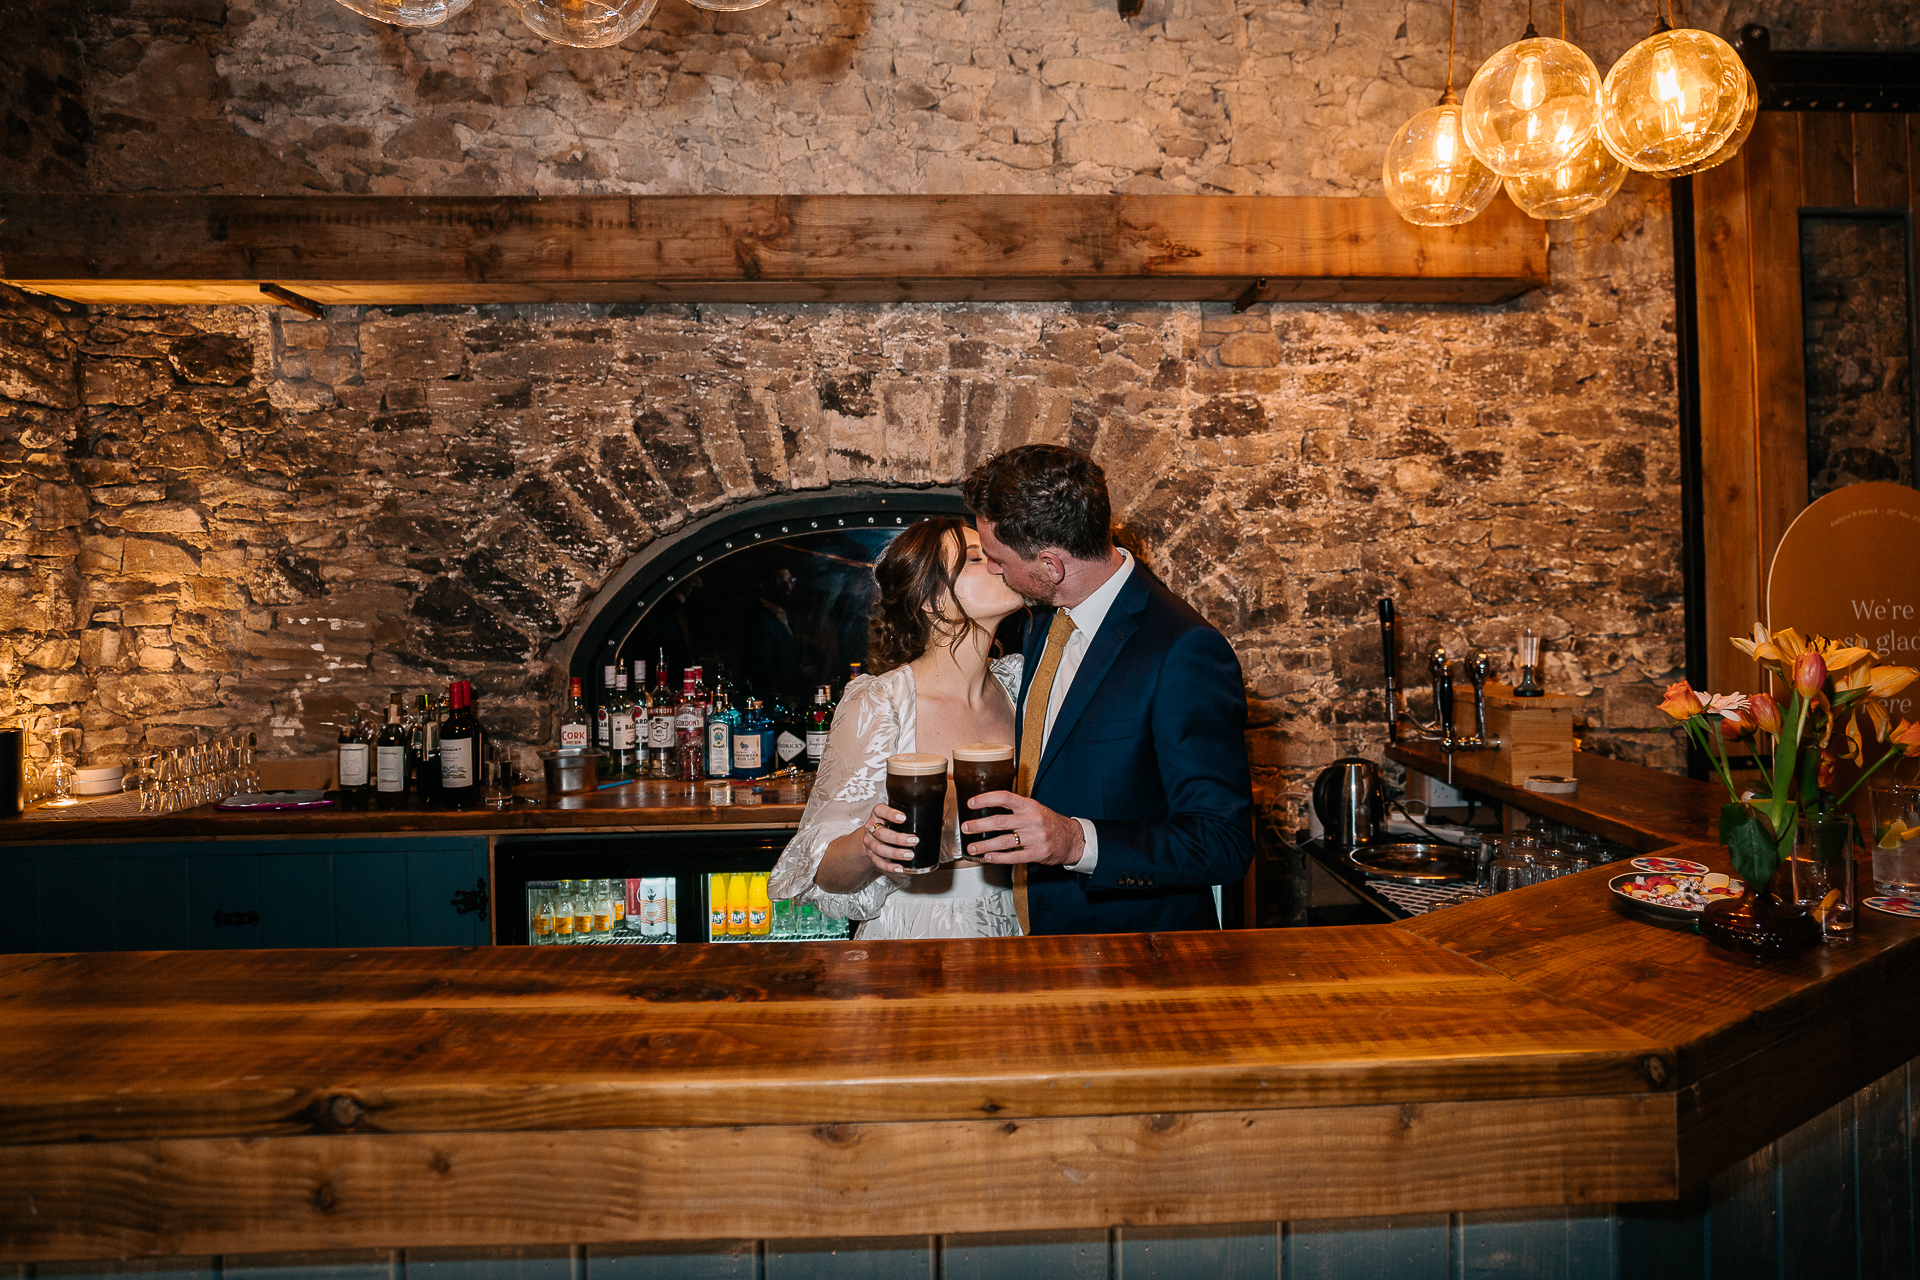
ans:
(1672, 897)
(1681, 866)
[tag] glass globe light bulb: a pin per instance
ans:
(1673, 100)
(1432, 178)
(584, 24)
(1731, 147)
(408, 13)
(1531, 106)
(1585, 182)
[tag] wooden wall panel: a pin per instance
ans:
(1880, 161)
(1826, 142)
(1779, 365)
(1728, 448)
(1884, 1142)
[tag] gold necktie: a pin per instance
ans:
(1033, 732)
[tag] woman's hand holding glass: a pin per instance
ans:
(880, 838)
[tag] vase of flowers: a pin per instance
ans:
(1830, 689)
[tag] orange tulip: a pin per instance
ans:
(1765, 712)
(1824, 777)
(1681, 702)
(1906, 737)
(1809, 673)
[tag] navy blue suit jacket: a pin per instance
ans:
(1150, 745)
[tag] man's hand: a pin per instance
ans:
(1027, 832)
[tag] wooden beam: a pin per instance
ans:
(229, 1195)
(380, 250)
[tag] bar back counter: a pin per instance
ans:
(1531, 1084)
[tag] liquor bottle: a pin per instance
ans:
(575, 728)
(717, 906)
(603, 714)
(722, 726)
(662, 755)
(737, 906)
(690, 728)
(390, 760)
(460, 748)
(563, 913)
(353, 766)
(617, 895)
(753, 744)
(602, 909)
(789, 734)
(759, 907)
(819, 725)
(542, 934)
(423, 750)
(619, 762)
(582, 910)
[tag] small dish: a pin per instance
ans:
(1671, 866)
(268, 800)
(1670, 898)
(1894, 906)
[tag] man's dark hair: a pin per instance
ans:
(1044, 495)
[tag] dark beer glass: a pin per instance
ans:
(917, 787)
(980, 767)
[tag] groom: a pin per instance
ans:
(1133, 797)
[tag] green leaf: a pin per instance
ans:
(1750, 842)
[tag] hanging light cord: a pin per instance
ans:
(1453, 20)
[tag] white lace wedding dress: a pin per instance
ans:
(876, 719)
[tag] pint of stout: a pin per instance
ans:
(980, 767)
(917, 787)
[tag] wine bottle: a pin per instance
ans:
(603, 714)
(390, 760)
(356, 786)
(460, 748)
(423, 745)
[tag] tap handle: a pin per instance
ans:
(1442, 691)
(1477, 668)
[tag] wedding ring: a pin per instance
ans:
(872, 827)
(1016, 840)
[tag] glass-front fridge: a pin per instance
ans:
(648, 889)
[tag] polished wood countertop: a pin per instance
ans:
(1536, 1048)
(636, 805)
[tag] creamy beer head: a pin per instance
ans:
(913, 763)
(983, 751)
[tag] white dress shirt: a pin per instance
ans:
(1087, 617)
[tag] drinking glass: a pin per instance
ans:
(1896, 839)
(60, 773)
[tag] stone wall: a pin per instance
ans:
(242, 517)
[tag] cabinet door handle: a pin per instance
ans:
(467, 901)
(224, 918)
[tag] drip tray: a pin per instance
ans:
(1414, 861)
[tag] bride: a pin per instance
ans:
(934, 688)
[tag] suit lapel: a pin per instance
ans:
(1122, 620)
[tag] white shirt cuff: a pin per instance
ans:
(1090, 856)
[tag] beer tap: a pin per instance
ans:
(1476, 666)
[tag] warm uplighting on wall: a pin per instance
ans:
(585, 24)
(1538, 115)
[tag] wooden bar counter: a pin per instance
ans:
(1533, 1049)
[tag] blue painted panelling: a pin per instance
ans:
(1883, 1141)
(76, 906)
(1243, 1251)
(20, 905)
(370, 899)
(673, 1260)
(1743, 1219)
(1817, 1199)
(333, 1264)
(1025, 1255)
(223, 888)
(432, 878)
(539, 1262)
(1663, 1241)
(150, 904)
(1415, 1247)
(867, 1258)
(131, 1269)
(1541, 1244)
(296, 901)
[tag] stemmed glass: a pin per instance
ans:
(61, 772)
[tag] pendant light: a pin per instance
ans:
(408, 13)
(1432, 179)
(1673, 100)
(585, 24)
(726, 6)
(1532, 106)
(1574, 189)
(1732, 145)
